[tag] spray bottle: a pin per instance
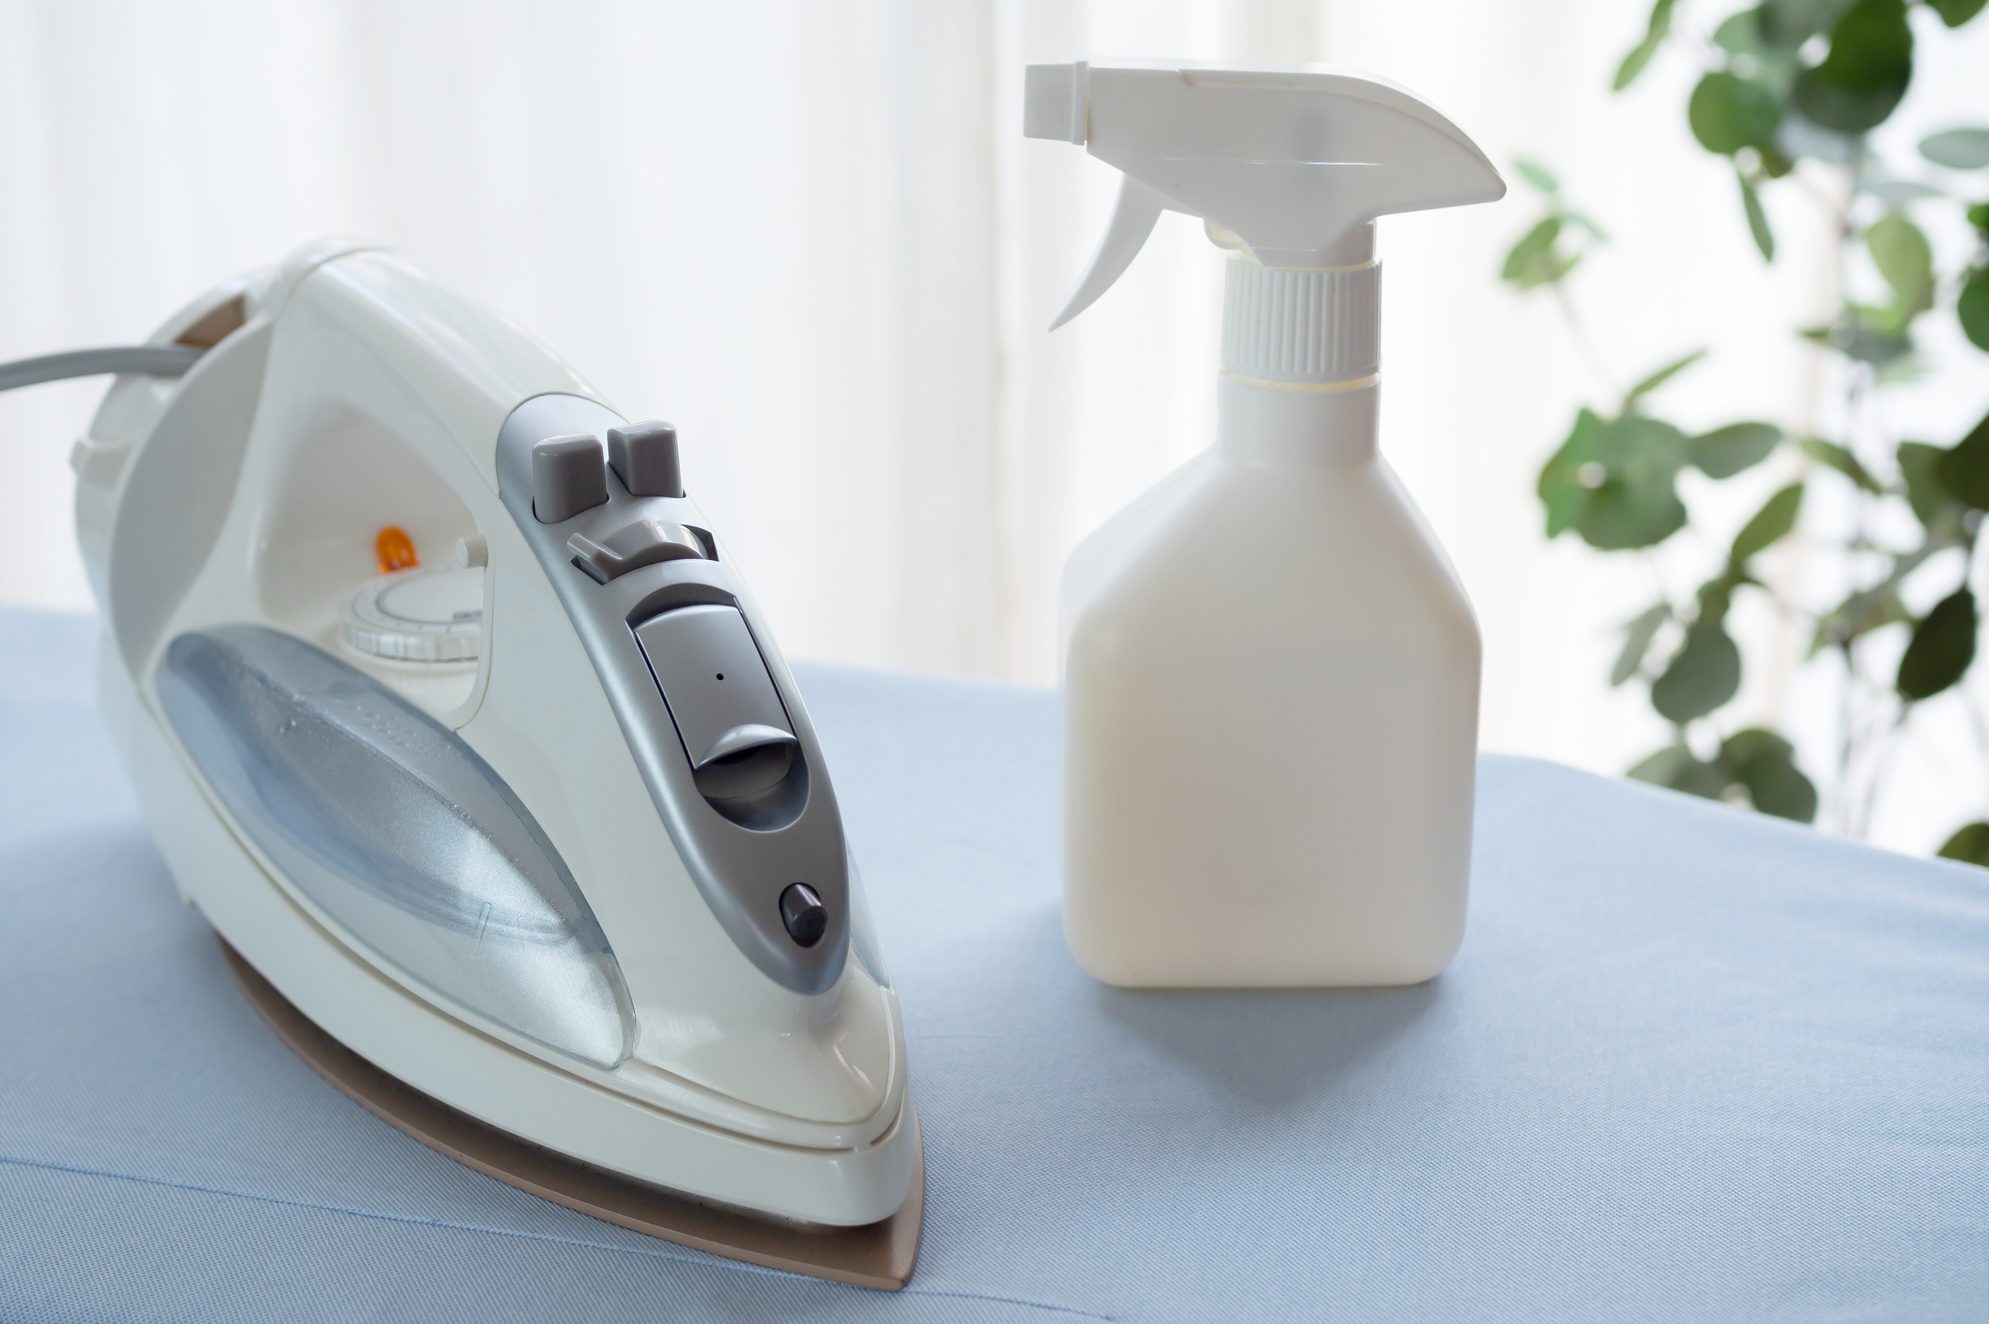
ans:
(1270, 667)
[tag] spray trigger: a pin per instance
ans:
(1289, 168)
(1132, 221)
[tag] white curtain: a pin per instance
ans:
(812, 235)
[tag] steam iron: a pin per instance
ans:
(453, 717)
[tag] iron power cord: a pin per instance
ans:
(152, 360)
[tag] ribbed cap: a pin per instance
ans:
(1284, 324)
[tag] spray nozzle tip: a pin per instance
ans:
(1053, 102)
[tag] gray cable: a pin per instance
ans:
(156, 360)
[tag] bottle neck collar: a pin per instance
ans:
(1272, 425)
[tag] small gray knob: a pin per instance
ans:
(644, 456)
(804, 915)
(567, 477)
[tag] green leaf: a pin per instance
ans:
(1942, 646)
(1904, 257)
(1865, 74)
(1765, 765)
(1963, 469)
(1569, 478)
(1636, 504)
(1773, 522)
(1535, 260)
(1978, 216)
(1972, 307)
(1954, 13)
(1614, 482)
(1757, 217)
(1889, 189)
(1746, 37)
(1539, 176)
(1790, 23)
(1637, 636)
(1871, 45)
(1741, 34)
(1716, 594)
(1778, 787)
(1755, 742)
(1833, 456)
(1678, 768)
(1924, 493)
(1625, 516)
(1726, 451)
(1702, 675)
(1957, 149)
(1640, 54)
(1728, 112)
(1860, 336)
(1660, 377)
(1969, 844)
(1858, 615)
(1526, 253)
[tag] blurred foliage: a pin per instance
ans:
(1787, 94)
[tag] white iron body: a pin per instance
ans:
(353, 393)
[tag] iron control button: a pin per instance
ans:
(802, 911)
(567, 477)
(714, 682)
(634, 545)
(644, 457)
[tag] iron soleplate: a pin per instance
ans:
(880, 1255)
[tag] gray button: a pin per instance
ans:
(644, 457)
(802, 911)
(567, 477)
(714, 682)
(634, 545)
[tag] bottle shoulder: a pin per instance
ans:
(1273, 553)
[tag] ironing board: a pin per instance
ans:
(1690, 1064)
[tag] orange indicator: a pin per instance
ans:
(395, 550)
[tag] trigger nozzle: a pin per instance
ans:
(1132, 221)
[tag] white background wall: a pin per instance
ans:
(813, 236)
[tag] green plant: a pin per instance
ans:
(1788, 95)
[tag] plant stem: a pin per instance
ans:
(1584, 342)
(1854, 752)
(1882, 750)
(1971, 539)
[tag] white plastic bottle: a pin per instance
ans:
(1270, 668)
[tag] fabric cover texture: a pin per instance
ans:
(1690, 1065)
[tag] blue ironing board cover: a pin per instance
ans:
(1690, 1065)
